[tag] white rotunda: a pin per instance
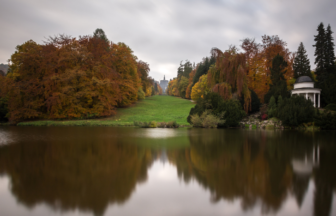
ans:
(304, 86)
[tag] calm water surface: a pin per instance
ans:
(133, 171)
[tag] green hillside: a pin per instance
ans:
(157, 108)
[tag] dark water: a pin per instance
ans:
(132, 171)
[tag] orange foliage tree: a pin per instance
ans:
(259, 59)
(191, 77)
(72, 78)
(228, 76)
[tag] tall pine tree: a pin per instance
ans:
(320, 39)
(329, 51)
(301, 64)
(325, 64)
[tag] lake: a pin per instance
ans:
(184, 172)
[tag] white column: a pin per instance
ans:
(306, 96)
(319, 99)
(314, 100)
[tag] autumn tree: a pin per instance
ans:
(190, 83)
(200, 88)
(71, 78)
(260, 57)
(125, 64)
(228, 77)
(301, 64)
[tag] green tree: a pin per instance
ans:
(320, 39)
(329, 51)
(272, 108)
(182, 87)
(99, 33)
(295, 111)
(202, 68)
(187, 68)
(232, 109)
(279, 85)
(301, 64)
(280, 101)
(325, 62)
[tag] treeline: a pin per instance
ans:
(67, 78)
(254, 75)
(233, 74)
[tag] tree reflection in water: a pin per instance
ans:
(258, 165)
(86, 175)
(91, 173)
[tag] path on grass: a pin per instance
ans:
(157, 108)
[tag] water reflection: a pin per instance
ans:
(86, 175)
(261, 165)
(91, 169)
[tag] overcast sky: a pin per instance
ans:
(164, 32)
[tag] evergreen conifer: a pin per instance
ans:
(325, 62)
(329, 51)
(320, 39)
(100, 34)
(203, 68)
(301, 64)
(280, 101)
(272, 107)
(279, 85)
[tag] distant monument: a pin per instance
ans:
(164, 84)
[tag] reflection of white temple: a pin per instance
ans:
(302, 170)
(305, 166)
(304, 86)
(163, 156)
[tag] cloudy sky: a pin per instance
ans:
(165, 32)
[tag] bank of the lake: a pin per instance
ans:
(157, 108)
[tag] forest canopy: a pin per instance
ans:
(68, 77)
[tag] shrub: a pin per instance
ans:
(161, 124)
(141, 94)
(196, 120)
(272, 108)
(295, 111)
(325, 120)
(263, 109)
(151, 124)
(331, 107)
(264, 116)
(210, 121)
(206, 120)
(232, 109)
(172, 124)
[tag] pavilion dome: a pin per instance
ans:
(302, 79)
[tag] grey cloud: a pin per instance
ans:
(163, 33)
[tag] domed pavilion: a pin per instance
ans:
(304, 86)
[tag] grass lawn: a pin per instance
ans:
(156, 108)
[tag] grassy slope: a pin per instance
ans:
(157, 108)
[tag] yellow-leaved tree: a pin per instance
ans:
(200, 88)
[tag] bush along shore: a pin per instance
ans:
(254, 122)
